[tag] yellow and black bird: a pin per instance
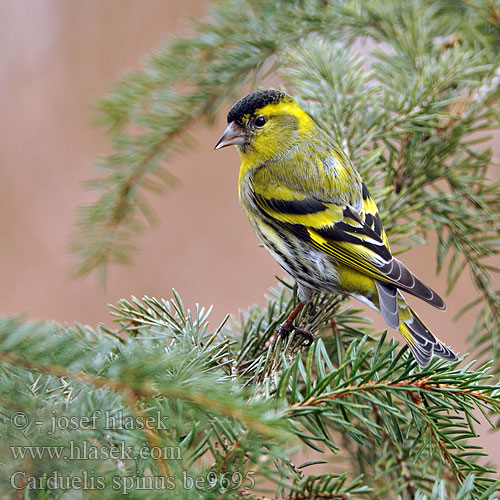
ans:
(311, 210)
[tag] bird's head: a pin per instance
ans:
(264, 124)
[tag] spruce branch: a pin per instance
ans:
(351, 388)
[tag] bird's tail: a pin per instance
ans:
(423, 344)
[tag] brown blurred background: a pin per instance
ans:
(56, 56)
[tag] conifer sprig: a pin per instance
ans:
(350, 394)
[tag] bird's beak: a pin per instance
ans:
(233, 135)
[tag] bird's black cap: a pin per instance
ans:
(251, 102)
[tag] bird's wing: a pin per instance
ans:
(354, 238)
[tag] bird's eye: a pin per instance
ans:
(260, 121)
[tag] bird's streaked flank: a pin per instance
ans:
(311, 210)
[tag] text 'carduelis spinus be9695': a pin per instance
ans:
(311, 210)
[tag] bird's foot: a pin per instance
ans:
(302, 336)
(306, 335)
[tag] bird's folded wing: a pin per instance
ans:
(353, 238)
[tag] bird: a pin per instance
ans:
(312, 211)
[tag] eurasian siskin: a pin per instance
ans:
(311, 210)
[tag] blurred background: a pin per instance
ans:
(56, 56)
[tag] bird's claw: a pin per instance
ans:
(304, 336)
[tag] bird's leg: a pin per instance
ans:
(287, 326)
